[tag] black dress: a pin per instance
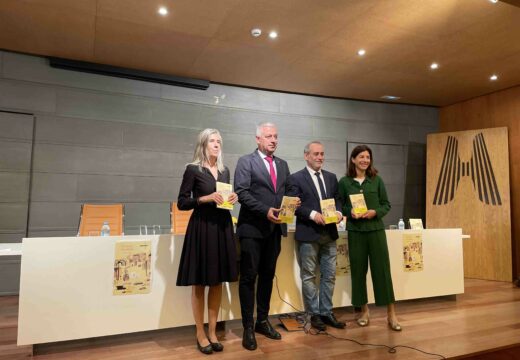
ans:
(209, 255)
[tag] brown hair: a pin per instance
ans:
(351, 172)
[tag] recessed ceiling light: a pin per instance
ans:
(256, 32)
(434, 66)
(390, 97)
(361, 52)
(162, 11)
(493, 1)
(273, 34)
(493, 77)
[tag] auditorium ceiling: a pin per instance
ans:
(315, 51)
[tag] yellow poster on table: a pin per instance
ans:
(132, 267)
(359, 206)
(328, 210)
(412, 252)
(342, 259)
(287, 209)
(225, 190)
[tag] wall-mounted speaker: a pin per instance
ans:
(116, 71)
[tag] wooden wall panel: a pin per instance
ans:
(501, 108)
(468, 186)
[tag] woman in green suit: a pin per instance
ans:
(366, 235)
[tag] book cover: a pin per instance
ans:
(287, 209)
(328, 210)
(225, 190)
(359, 206)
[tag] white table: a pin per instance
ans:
(66, 285)
(10, 249)
(10, 268)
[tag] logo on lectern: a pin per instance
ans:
(478, 167)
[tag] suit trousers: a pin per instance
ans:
(257, 260)
(362, 246)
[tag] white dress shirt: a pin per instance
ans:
(266, 163)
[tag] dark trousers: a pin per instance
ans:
(257, 260)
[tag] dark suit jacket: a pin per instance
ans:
(300, 184)
(256, 195)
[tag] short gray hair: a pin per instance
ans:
(263, 125)
(307, 147)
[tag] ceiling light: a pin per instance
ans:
(493, 77)
(219, 98)
(256, 32)
(493, 1)
(163, 11)
(273, 34)
(390, 97)
(434, 66)
(361, 52)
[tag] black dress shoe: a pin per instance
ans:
(208, 349)
(265, 328)
(248, 339)
(332, 321)
(317, 323)
(216, 346)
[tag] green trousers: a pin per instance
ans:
(371, 245)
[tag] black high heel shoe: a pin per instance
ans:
(208, 349)
(216, 346)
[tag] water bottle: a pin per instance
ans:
(400, 224)
(105, 229)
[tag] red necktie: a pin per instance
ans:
(271, 170)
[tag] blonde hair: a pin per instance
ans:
(199, 156)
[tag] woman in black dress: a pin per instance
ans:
(209, 252)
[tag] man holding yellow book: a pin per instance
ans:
(316, 234)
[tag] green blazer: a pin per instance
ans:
(375, 196)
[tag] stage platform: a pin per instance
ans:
(483, 323)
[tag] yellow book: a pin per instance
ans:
(358, 204)
(416, 224)
(328, 210)
(287, 209)
(225, 190)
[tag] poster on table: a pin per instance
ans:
(412, 252)
(342, 260)
(132, 267)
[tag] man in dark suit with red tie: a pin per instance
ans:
(316, 240)
(260, 184)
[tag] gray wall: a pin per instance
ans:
(103, 139)
(16, 133)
